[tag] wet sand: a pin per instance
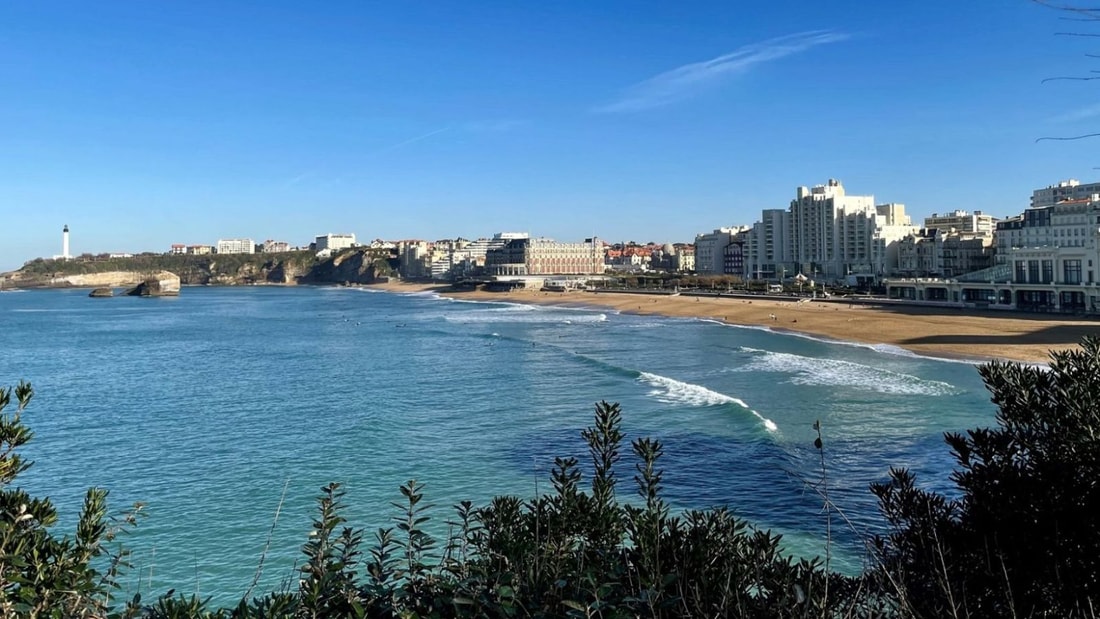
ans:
(937, 332)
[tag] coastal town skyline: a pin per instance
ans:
(434, 123)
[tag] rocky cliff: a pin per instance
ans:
(351, 267)
(109, 279)
(355, 266)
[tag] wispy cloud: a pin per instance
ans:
(411, 140)
(686, 81)
(290, 182)
(317, 180)
(493, 126)
(1082, 113)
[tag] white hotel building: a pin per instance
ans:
(235, 246)
(826, 233)
(333, 242)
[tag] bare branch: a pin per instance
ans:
(1077, 79)
(1065, 7)
(1076, 137)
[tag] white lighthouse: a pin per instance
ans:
(65, 243)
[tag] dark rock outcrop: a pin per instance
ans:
(162, 284)
(102, 293)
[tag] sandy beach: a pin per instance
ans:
(928, 331)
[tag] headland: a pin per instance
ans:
(938, 332)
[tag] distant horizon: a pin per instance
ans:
(142, 126)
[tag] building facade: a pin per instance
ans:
(766, 245)
(963, 221)
(710, 250)
(826, 233)
(333, 242)
(414, 259)
(275, 247)
(936, 252)
(545, 257)
(236, 246)
(1048, 260)
(1071, 189)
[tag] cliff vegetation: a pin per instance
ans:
(355, 266)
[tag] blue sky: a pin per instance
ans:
(140, 124)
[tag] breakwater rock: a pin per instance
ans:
(102, 293)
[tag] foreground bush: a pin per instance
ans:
(1020, 539)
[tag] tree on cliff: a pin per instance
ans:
(1022, 536)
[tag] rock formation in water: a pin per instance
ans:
(162, 284)
(101, 293)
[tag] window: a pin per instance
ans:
(1048, 271)
(1032, 271)
(1071, 270)
(1021, 272)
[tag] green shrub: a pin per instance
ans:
(1022, 537)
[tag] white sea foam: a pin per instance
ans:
(672, 391)
(521, 316)
(839, 373)
(886, 349)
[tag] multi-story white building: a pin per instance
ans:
(835, 235)
(821, 219)
(826, 233)
(962, 221)
(199, 250)
(710, 249)
(545, 257)
(1071, 189)
(414, 259)
(684, 259)
(766, 245)
(333, 242)
(236, 246)
(178, 248)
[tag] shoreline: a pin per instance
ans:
(940, 333)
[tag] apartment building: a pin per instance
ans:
(962, 221)
(826, 233)
(710, 249)
(1071, 189)
(235, 246)
(938, 252)
(333, 242)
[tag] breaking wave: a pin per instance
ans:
(523, 314)
(839, 373)
(672, 391)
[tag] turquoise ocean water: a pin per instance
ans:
(206, 406)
